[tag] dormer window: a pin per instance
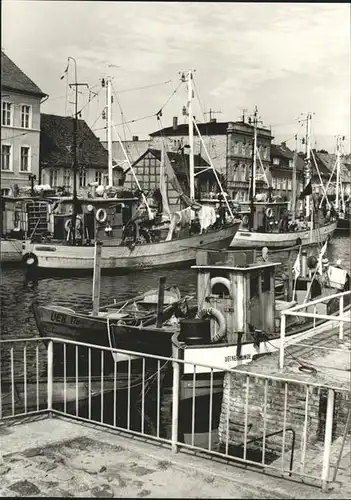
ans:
(275, 161)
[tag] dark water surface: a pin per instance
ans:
(17, 320)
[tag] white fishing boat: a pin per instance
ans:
(269, 224)
(245, 315)
(133, 236)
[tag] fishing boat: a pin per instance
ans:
(134, 236)
(270, 224)
(90, 327)
(250, 311)
(22, 217)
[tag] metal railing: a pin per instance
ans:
(145, 395)
(299, 311)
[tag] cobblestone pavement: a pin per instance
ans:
(59, 458)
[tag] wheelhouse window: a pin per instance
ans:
(6, 114)
(25, 116)
(82, 178)
(25, 159)
(5, 157)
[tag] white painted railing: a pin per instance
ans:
(300, 311)
(108, 400)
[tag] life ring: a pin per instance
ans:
(30, 259)
(219, 317)
(101, 215)
(269, 212)
(245, 220)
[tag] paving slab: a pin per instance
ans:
(60, 458)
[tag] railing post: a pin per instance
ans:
(328, 439)
(341, 323)
(50, 374)
(282, 340)
(175, 399)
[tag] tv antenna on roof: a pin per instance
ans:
(212, 112)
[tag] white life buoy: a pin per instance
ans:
(269, 212)
(101, 215)
(219, 317)
(245, 220)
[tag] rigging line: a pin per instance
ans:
(130, 121)
(145, 87)
(90, 100)
(169, 98)
(121, 111)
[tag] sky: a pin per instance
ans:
(285, 58)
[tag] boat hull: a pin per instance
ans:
(253, 239)
(10, 251)
(150, 255)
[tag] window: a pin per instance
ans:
(289, 184)
(236, 147)
(82, 178)
(5, 157)
(67, 178)
(25, 116)
(53, 178)
(98, 177)
(275, 161)
(290, 163)
(6, 115)
(25, 159)
(265, 153)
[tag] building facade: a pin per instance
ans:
(214, 136)
(56, 155)
(20, 127)
(240, 158)
(282, 171)
(147, 171)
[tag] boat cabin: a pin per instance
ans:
(268, 217)
(242, 290)
(100, 219)
(24, 216)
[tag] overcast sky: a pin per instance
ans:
(285, 58)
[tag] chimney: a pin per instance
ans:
(135, 138)
(175, 122)
(213, 120)
(283, 144)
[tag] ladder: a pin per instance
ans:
(37, 212)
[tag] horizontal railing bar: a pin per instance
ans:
(318, 301)
(317, 347)
(28, 413)
(109, 426)
(316, 316)
(185, 362)
(246, 461)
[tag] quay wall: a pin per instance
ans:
(279, 395)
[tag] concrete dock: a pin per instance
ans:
(57, 457)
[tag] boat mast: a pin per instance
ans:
(191, 137)
(308, 163)
(338, 144)
(254, 157)
(109, 132)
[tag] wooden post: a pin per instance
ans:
(97, 277)
(160, 302)
(290, 277)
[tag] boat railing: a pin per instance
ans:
(311, 310)
(148, 396)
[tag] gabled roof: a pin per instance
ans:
(210, 128)
(13, 78)
(282, 151)
(56, 141)
(180, 164)
(328, 161)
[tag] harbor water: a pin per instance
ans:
(17, 319)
